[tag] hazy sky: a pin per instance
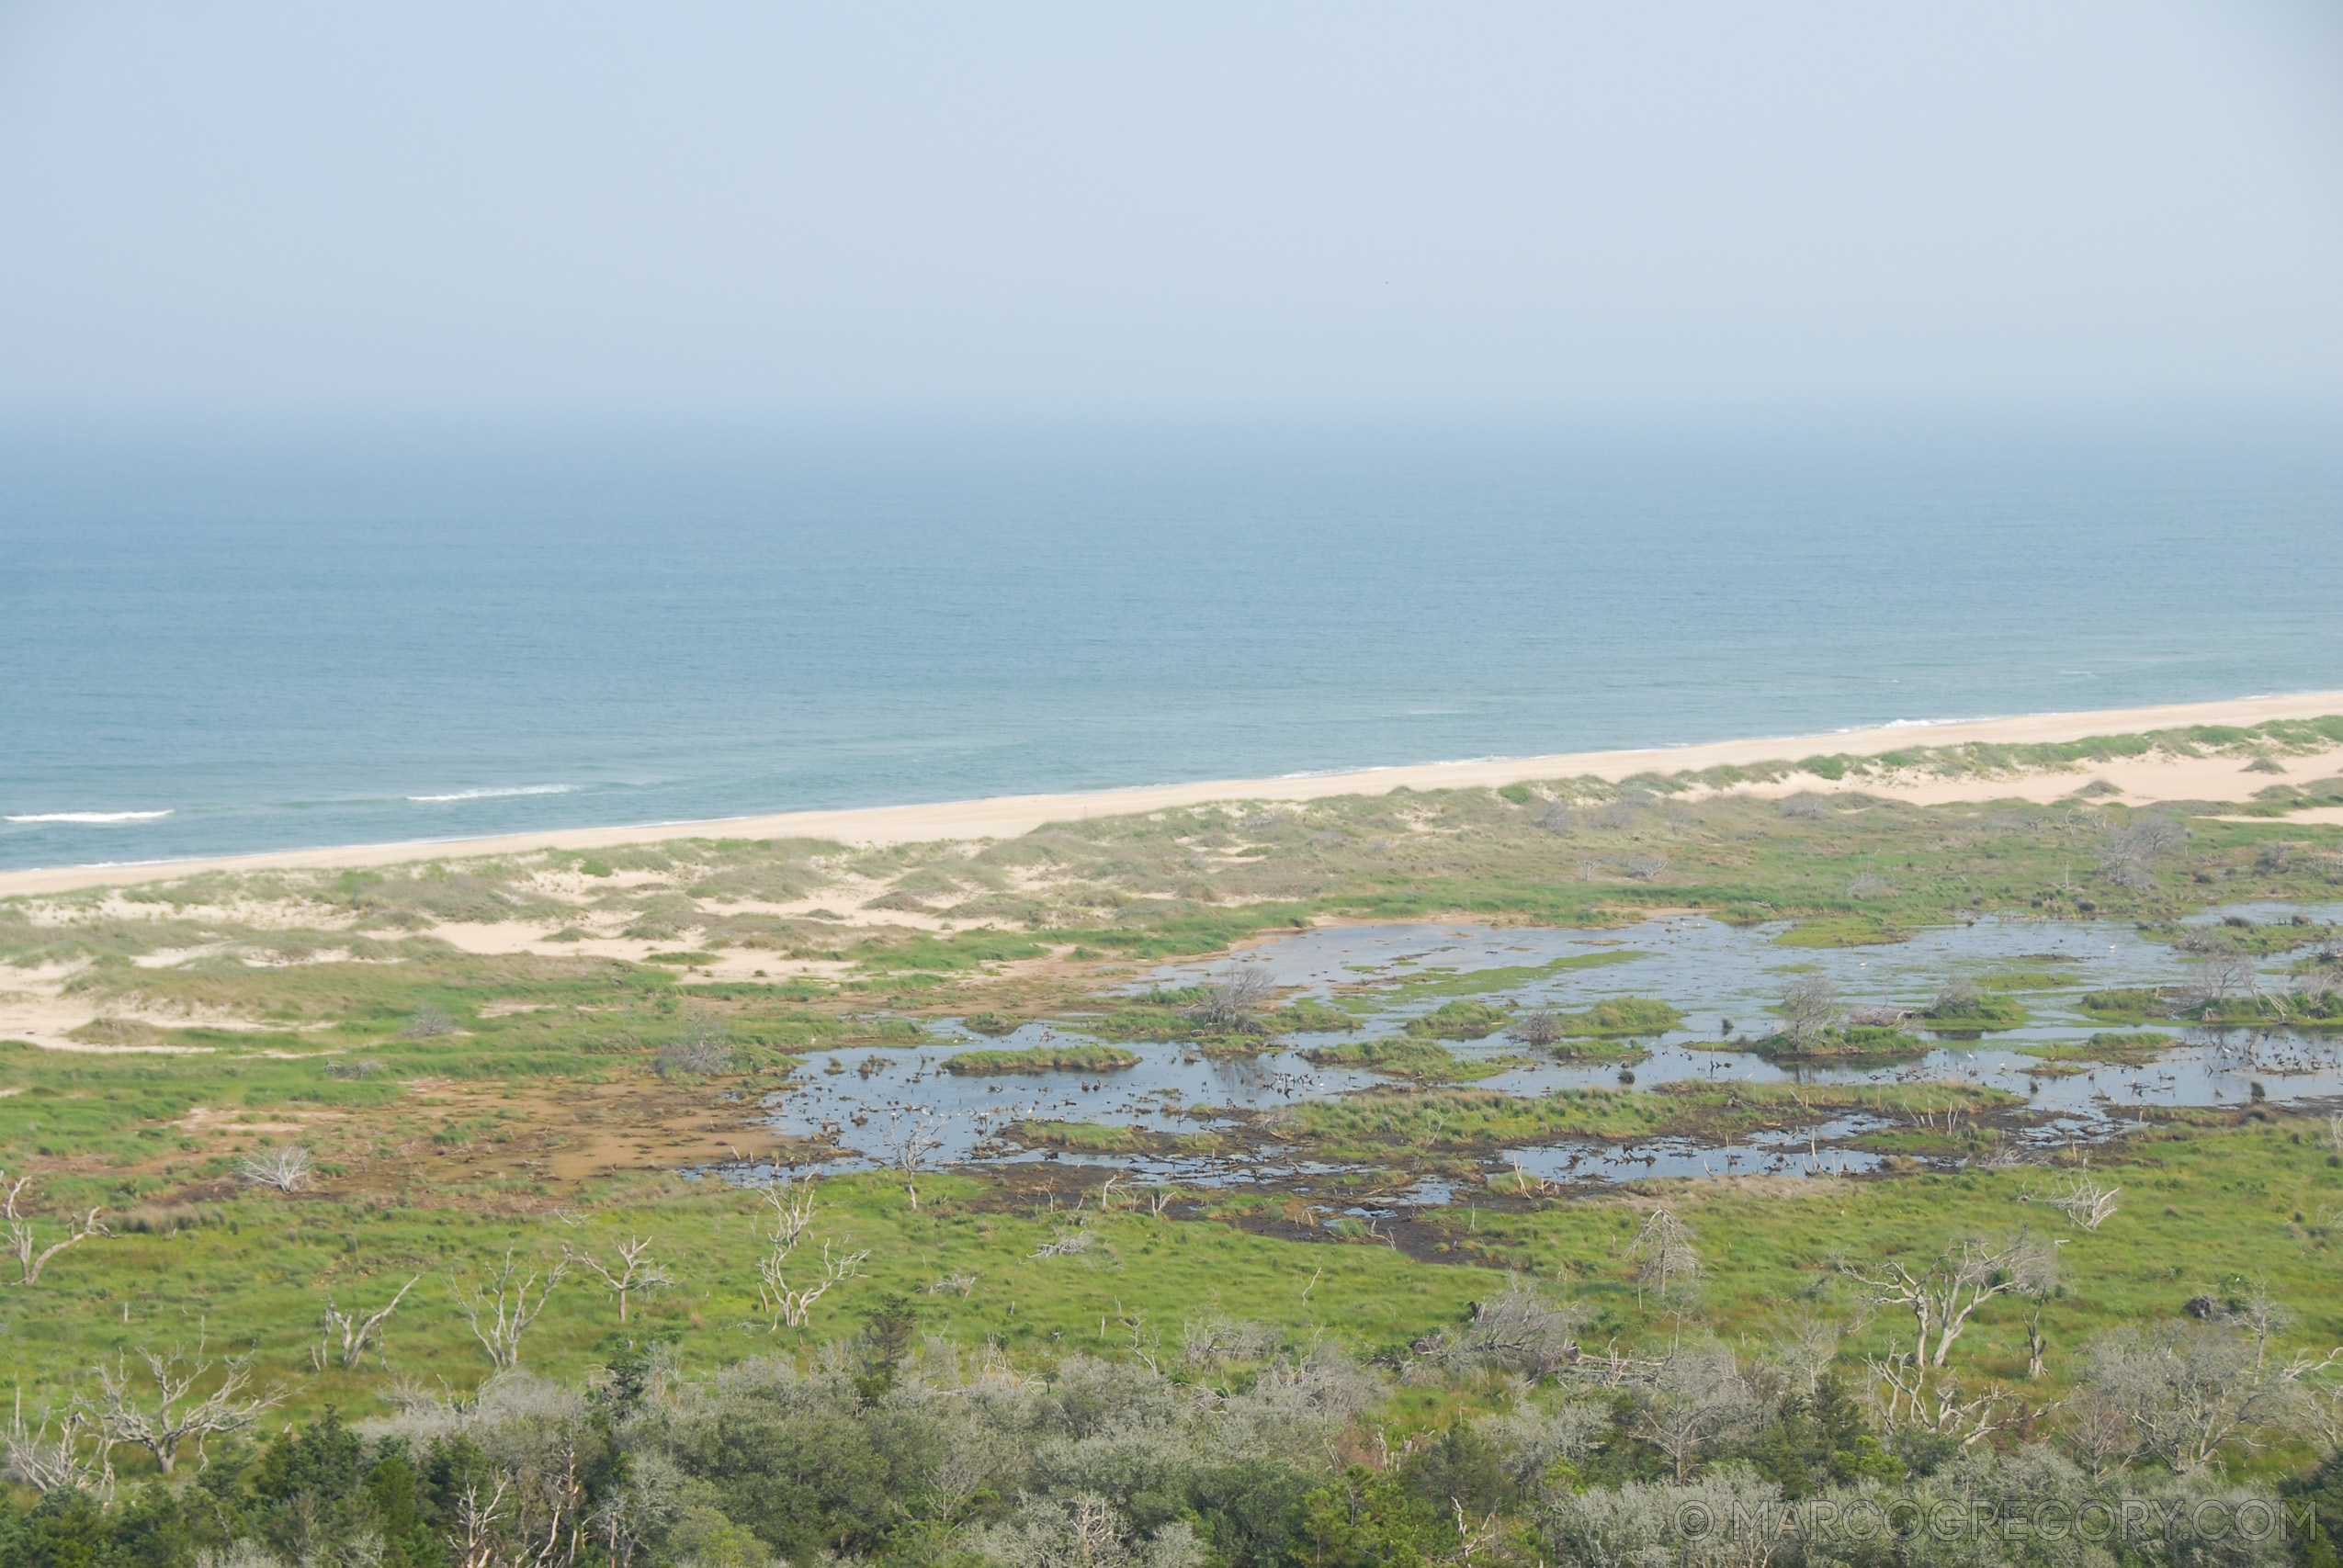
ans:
(1111, 205)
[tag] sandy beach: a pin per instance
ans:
(2140, 780)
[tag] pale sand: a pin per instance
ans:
(1009, 815)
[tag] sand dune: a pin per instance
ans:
(2140, 780)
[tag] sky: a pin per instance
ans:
(423, 206)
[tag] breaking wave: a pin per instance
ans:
(492, 793)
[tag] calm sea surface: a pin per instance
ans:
(245, 639)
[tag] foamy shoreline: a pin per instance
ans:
(1008, 816)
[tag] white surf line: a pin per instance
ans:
(1003, 816)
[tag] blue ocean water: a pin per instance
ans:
(267, 636)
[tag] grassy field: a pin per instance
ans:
(461, 1106)
(2210, 1209)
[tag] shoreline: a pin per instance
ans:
(1001, 817)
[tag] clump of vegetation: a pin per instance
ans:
(1232, 1004)
(1816, 1028)
(1964, 1005)
(1101, 1138)
(1877, 1042)
(2126, 1049)
(1409, 1058)
(429, 1023)
(702, 1050)
(1539, 1027)
(1622, 1015)
(1065, 1058)
(1461, 1019)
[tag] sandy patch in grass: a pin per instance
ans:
(727, 964)
(2327, 816)
(204, 1119)
(2139, 781)
(83, 1047)
(45, 1022)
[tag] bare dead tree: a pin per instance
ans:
(32, 1258)
(355, 1333)
(172, 1415)
(1911, 1393)
(473, 1539)
(635, 1271)
(793, 1210)
(2190, 1390)
(1229, 1003)
(1663, 1250)
(1809, 1007)
(77, 1459)
(2126, 857)
(1958, 997)
(1943, 1296)
(430, 1024)
(795, 1307)
(912, 1135)
(2037, 1340)
(285, 1171)
(1697, 1396)
(2086, 1201)
(1806, 1343)
(702, 1050)
(1804, 806)
(792, 1206)
(2219, 976)
(2101, 1437)
(502, 1308)
(1521, 1330)
(1538, 1027)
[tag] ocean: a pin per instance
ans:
(240, 637)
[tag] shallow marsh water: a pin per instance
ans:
(1386, 974)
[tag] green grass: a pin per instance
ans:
(1095, 1137)
(2024, 980)
(1409, 1059)
(2127, 1048)
(1621, 1016)
(1481, 982)
(2203, 1209)
(1842, 930)
(1389, 1124)
(257, 1273)
(1459, 1021)
(1162, 1015)
(2240, 936)
(1989, 1013)
(1069, 1058)
(2147, 1005)
(1592, 1048)
(1856, 1042)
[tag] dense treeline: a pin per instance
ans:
(1232, 1450)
